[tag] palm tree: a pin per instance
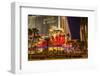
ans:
(29, 31)
(35, 32)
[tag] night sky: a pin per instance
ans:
(74, 25)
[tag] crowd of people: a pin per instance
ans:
(55, 42)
